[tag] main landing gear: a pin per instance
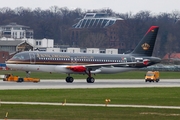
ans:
(89, 79)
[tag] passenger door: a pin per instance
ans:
(32, 58)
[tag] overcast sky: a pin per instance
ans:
(119, 6)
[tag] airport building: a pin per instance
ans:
(17, 45)
(100, 22)
(15, 31)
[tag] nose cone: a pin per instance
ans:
(7, 62)
(10, 61)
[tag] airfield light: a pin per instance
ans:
(6, 116)
(107, 101)
(64, 103)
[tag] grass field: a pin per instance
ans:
(124, 75)
(139, 96)
(142, 96)
(87, 113)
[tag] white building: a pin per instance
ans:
(73, 50)
(40, 44)
(15, 31)
(92, 50)
(111, 51)
(37, 44)
(44, 43)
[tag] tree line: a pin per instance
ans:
(55, 23)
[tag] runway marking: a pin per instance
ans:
(161, 114)
(93, 105)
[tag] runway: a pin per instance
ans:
(79, 83)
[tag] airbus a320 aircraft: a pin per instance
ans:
(83, 63)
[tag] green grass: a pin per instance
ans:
(139, 96)
(124, 75)
(142, 96)
(86, 113)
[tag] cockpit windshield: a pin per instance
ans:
(21, 56)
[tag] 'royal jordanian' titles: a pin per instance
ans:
(83, 63)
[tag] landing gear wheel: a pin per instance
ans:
(69, 79)
(90, 80)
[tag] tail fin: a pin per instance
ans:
(146, 45)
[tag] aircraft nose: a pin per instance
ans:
(6, 62)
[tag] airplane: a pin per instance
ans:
(83, 63)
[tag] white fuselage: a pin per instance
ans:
(62, 68)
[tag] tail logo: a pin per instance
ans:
(145, 46)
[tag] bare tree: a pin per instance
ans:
(93, 39)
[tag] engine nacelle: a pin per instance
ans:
(77, 68)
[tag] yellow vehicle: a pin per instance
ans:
(10, 77)
(152, 76)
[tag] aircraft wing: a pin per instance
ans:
(82, 68)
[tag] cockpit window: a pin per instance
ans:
(21, 56)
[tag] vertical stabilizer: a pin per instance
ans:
(146, 45)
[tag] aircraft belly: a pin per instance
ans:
(116, 69)
(31, 67)
(17, 66)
